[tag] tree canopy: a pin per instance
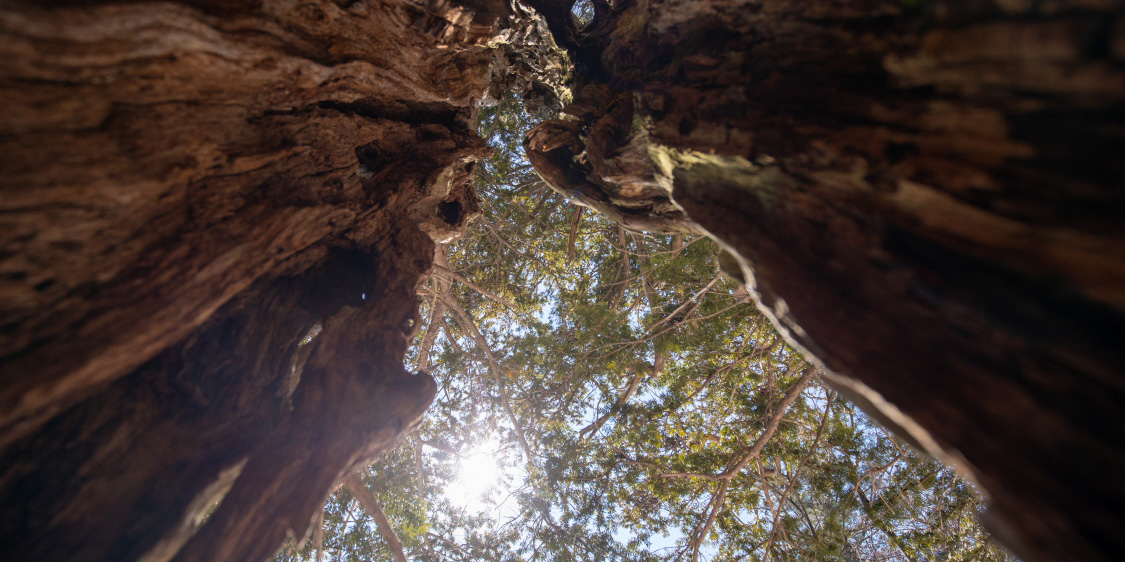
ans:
(611, 395)
(226, 225)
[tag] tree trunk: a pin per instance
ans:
(214, 219)
(925, 196)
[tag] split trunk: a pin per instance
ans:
(927, 196)
(214, 219)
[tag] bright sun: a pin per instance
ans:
(478, 472)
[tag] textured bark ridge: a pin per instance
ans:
(926, 196)
(214, 218)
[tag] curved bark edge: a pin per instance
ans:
(215, 218)
(922, 198)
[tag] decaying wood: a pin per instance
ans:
(926, 196)
(214, 218)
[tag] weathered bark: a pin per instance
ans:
(214, 219)
(927, 199)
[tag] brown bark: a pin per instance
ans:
(928, 199)
(570, 250)
(214, 219)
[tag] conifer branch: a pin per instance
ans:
(634, 383)
(570, 251)
(771, 426)
(318, 535)
(494, 369)
(449, 273)
(622, 345)
(893, 537)
(715, 506)
(642, 261)
(421, 483)
(437, 311)
(492, 229)
(750, 453)
(792, 480)
(624, 272)
(375, 509)
(693, 299)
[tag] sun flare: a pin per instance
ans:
(477, 473)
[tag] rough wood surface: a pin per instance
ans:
(926, 196)
(213, 219)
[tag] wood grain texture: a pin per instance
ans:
(213, 220)
(928, 198)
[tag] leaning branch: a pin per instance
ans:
(642, 261)
(622, 345)
(367, 499)
(420, 469)
(680, 308)
(785, 495)
(791, 396)
(755, 354)
(493, 369)
(750, 453)
(570, 250)
(504, 242)
(440, 446)
(893, 537)
(318, 535)
(716, 506)
(635, 383)
(624, 271)
(449, 273)
(437, 312)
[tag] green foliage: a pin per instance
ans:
(620, 395)
(583, 11)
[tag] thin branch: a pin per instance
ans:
(774, 509)
(441, 447)
(624, 271)
(771, 427)
(446, 272)
(748, 454)
(622, 345)
(318, 535)
(371, 504)
(421, 483)
(882, 525)
(495, 234)
(494, 369)
(622, 245)
(693, 298)
(757, 353)
(448, 542)
(716, 505)
(699, 475)
(573, 233)
(593, 428)
(642, 261)
(783, 496)
(437, 311)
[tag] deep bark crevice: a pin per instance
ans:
(214, 222)
(921, 198)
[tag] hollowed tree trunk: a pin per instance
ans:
(213, 218)
(926, 196)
